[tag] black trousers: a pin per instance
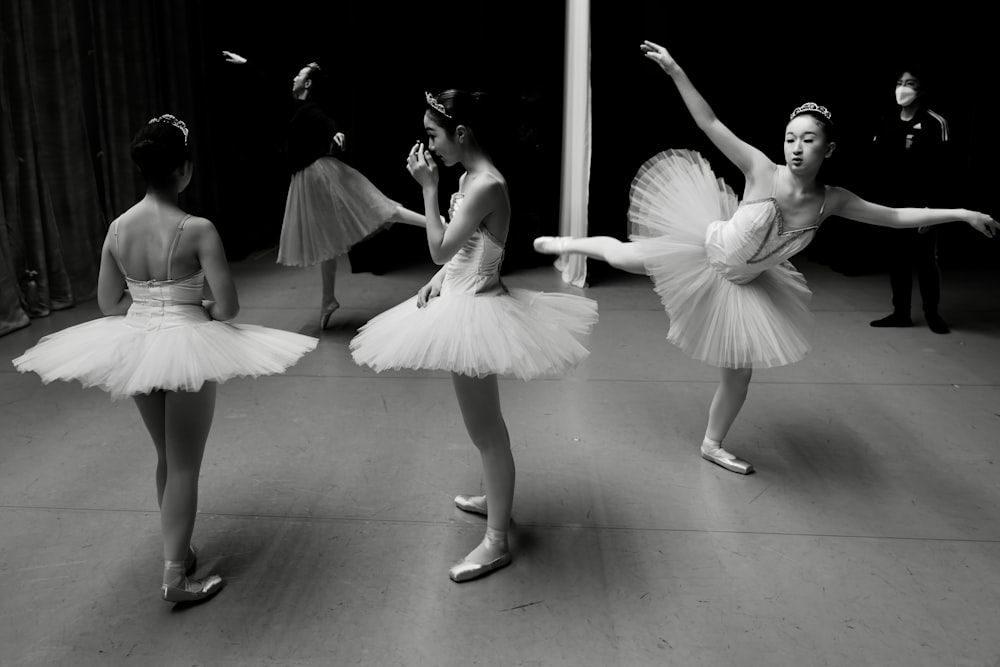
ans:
(910, 250)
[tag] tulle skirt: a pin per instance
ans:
(330, 207)
(675, 197)
(182, 352)
(520, 333)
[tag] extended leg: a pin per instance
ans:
(619, 254)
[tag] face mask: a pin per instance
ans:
(905, 95)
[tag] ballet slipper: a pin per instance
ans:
(551, 245)
(189, 590)
(177, 587)
(471, 504)
(468, 569)
(713, 451)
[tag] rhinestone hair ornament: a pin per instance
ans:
(815, 108)
(173, 120)
(437, 106)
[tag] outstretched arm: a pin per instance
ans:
(739, 152)
(846, 204)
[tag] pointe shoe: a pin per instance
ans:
(731, 462)
(192, 591)
(467, 570)
(472, 504)
(326, 313)
(551, 245)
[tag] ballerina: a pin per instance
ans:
(330, 206)
(720, 265)
(465, 320)
(162, 344)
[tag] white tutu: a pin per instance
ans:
(521, 333)
(126, 360)
(761, 319)
(331, 206)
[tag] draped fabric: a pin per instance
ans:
(77, 80)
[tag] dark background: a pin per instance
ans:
(753, 67)
(383, 58)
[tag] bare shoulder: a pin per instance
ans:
(199, 225)
(133, 212)
(836, 197)
(488, 185)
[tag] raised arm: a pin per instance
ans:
(739, 152)
(481, 198)
(846, 204)
(212, 257)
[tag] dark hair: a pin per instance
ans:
(320, 87)
(159, 148)
(916, 69)
(825, 124)
(473, 110)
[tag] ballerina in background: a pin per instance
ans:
(163, 345)
(331, 206)
(719, 265)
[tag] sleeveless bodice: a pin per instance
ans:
(475, 268)
(162, 303)
(755, 239)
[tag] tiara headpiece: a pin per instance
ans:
(173, 120)
(815, 108)
(437, 106)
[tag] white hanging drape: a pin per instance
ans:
(576, 139)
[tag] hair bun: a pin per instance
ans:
(158, 149)
(146, 153)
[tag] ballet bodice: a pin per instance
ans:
(169, 302)
(754, 240)
(475, 268)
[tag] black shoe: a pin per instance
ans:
(894, 320)
(936, 324)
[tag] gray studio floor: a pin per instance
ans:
(870, 534)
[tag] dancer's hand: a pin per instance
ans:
(420, 163)
(426, 293)
(234, 58)
(983, 223)
(659, 55)
(341, 141)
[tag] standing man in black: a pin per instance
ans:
(912, 151)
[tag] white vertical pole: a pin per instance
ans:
(576, 138)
